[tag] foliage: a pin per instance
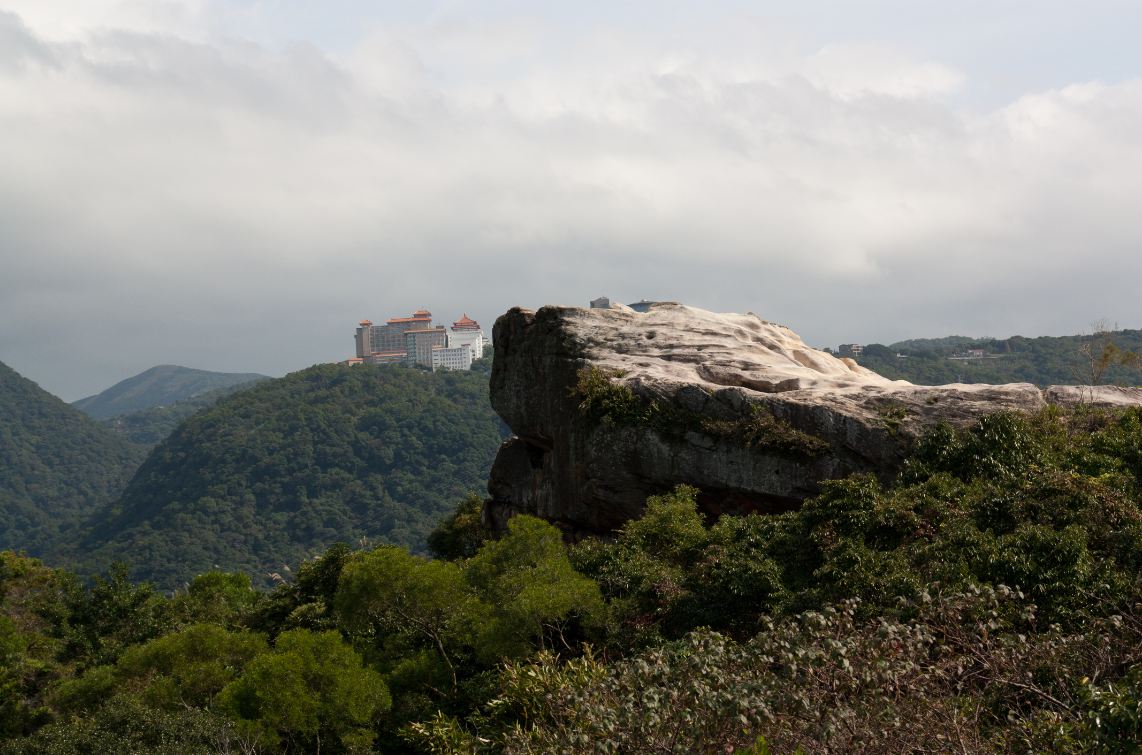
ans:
(104, 619)
(1113, 721)
(307, 602)
(124, 725)
(605, 401)
(436, 626)
(761, 430)
(220, 598)
(311, 691)
(57, 466)
(1099, 352)
(962, 673)
(280, 471)
(666, 572)
(390, 594)
(189, 667)
(461, 533)
(537, 593)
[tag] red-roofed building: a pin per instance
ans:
(466, 332)
(465, 323)
(413, 340)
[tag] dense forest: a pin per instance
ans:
(277, 472)
(57, 466)
(988, 599)
(1044, 361)
(148, 427)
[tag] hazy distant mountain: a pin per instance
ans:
(159, 386)
(285, 468)
(57, 466)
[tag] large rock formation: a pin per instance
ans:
(611, 405)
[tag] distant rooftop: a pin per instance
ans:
(465, 323)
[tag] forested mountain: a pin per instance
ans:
(1048, 360)
(273, 474)
(147, 427)
(159, 386)
(57, 466)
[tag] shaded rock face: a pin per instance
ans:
(610, 406)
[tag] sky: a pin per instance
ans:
(232, 184)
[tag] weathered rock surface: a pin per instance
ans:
(739, 407)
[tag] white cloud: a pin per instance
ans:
(156, 183)
(60, 20)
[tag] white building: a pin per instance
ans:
(452, 357)
(466, 332)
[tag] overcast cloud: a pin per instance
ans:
(232, 185)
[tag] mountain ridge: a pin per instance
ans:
(160, 385)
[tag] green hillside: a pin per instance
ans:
(278, 472)
(57, 466)
(159, 386)
(147, 427)
(1048, 360)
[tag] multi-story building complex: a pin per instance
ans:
(389, 339)
(414, 340)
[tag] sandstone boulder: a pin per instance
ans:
(609, 406)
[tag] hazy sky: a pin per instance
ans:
(232, 184)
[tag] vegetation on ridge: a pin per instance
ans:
(1048, 360)
(606, 401)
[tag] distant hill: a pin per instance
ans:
(1047, 360)
(276, 473)
(159, 386)
(57, 466)
(148, 427)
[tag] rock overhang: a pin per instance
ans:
(713, 387)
